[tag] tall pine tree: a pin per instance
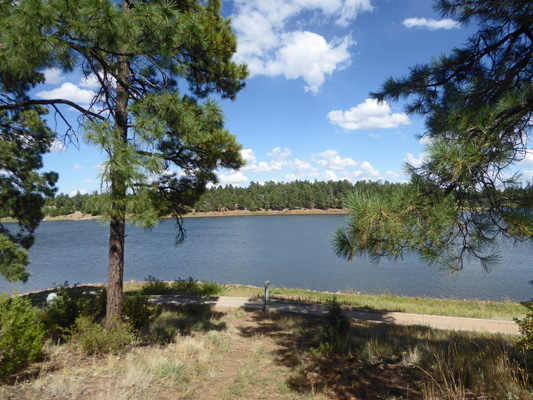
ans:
(156, 63)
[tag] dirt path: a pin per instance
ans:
(432, 321)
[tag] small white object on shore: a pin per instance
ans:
(51, 298)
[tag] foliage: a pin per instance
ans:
(93, 338)
(163, 144)
(137, 311)
(525, 342)
(334, 331)
(478, 104)
(59, 317)
(154, 286)
(188, 286)
(24, 138)
(203, 289)
(21, 338)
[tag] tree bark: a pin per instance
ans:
(115, 274)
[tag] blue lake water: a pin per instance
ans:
(290, 251)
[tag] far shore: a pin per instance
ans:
(233, 213)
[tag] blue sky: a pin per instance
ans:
(305, 112)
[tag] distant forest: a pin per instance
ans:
(256, 197)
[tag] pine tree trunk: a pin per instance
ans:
(115, 274)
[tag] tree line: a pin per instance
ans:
(271, 195)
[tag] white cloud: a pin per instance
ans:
(269, 48)
(365, 172)
(527, 175)
(303, 168)
(368, 115)
(236, 178)
(68, 91)
(309, 56)
(53, 76)
(351, 8)
(329, 175)
(75, 192)
(87, 181)
(431, 24)
(279, 157)
(414, 161)
(331, 160)
(279, 160)
(78, 166)
(391, 174)
(528, 159)
(56, 146)
(375, 136)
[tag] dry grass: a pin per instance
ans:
(232, 354)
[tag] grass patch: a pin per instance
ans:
(390, 302)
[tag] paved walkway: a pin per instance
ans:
(432, 321)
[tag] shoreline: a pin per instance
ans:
(228, 213)
(133, 286)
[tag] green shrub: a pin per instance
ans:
(93, 338)
(195, 288)
(154, 286)
(21, 336)
(59, 317)
(337, 325)
(136, 310)
(525, 342)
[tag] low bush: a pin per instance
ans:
(203, 289)
(21, 336)
(337, 325)
(93, 338)
(155, 286)
(136, 310)
(59, 317)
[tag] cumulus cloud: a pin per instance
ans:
(78, 166)
(329, 175)
(269, 48)
(75, 192)
(330, 159)
(431, 24)
(309, 56)
(369, 115)
(236, 178)
(53, 76)
(279, 159)
(68, 91)
(365, 172)
(303, 168)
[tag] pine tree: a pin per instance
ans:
(478, 106)
(163, 144)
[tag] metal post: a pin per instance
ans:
(267, 284)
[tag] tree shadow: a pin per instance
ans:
(374, 359)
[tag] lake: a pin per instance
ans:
(288, 250)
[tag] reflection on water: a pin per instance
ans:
(290, 251)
